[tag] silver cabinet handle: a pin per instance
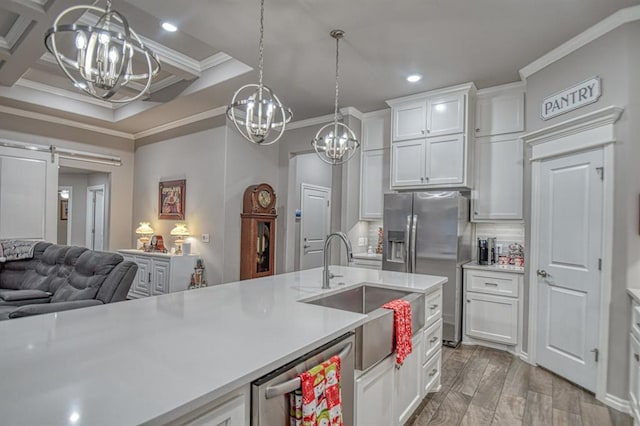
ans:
(637, 357)
(468, 300)
(478, 129)
(638, 324)
(432, 307)
(293, 384)
(491, 284)
(422, 131)
(433, 339)
(433, 372)
(428, 130)
(149, 279)
(542, 273)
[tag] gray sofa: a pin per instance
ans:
(59, 278)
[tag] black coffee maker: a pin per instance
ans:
(487, 251)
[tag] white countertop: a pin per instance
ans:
(366, 256)
(634, 293)
(151, 358)
(497, 268)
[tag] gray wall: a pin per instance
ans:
(615, 58)
(78, 216)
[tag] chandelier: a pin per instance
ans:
(255, 110)
(335, 143)
(100, 59)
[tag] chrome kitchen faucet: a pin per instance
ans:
(326, 275)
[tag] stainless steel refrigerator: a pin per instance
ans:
(430, 233)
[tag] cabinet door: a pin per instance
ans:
(373, 132)
(408, 383)
(374, 395)
(499, 114)
(141, 286)
(409, 120)
(160, 277)
(407, 163)
(445, 115)
(445, 160)
(499, 170)
(371, 184)
(634, 375)
(231, 413)
(493, 318)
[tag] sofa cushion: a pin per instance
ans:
(13, 295)
(64, 270)
(40, 277)
(90, 271)
(12, 274)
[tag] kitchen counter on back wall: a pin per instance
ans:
(157, 358)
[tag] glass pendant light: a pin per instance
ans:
(255, 110)
(99, 59)
(335, 143)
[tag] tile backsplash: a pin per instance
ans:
(505, 233)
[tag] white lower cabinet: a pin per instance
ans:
(493, 308)
(408, 383)
(431, 373)
(232, 410)
(159, 273)
(634, 364)
(374, 394)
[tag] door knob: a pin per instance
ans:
(542, 273)
(306, 246)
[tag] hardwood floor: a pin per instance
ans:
(483, 387)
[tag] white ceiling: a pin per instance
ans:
(448, 41)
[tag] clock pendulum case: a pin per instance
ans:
(258, 234)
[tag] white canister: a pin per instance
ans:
(186, 248)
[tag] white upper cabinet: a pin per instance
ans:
(372, 184)
(444, 160)
(410, 120)
(432, 140)
(374, 131)
(500, 111)
(499, 170)
(445, 115)
(408, 163)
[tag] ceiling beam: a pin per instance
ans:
(31, 46)
(34, 10)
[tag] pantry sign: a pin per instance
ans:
(574, 97)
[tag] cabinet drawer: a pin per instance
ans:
(503, 284)
(433, 307)
(431, 374)
(432, 340)
(635, 322)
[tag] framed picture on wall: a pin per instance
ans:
(64, 209)
(171, 199)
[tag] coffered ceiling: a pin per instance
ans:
(215, 51)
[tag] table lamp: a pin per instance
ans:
(144, 231)
(180, 231)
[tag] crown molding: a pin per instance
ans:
(64, 122)
(352, 112)
(181, 122)
(515, 86)
(309, 122)
(29, 84)
(378, 113)
(214, 61)
(608, 24)
(471, 87)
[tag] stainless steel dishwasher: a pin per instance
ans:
(270, 394)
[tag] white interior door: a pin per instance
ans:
(314, 225)
(568, 275)
(95, 217)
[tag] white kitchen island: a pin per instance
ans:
(156, 359)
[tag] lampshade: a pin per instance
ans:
(180, 230)
(144, 229)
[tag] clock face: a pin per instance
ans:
(264, 198)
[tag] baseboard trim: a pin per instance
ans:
(619, 404)
(524, 357)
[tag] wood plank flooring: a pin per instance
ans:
(487, 387)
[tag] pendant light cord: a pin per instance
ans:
(261, 48)
(335, 110)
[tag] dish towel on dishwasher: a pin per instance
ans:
(402, 333)
(318, 402)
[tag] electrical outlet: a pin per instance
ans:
(362, 241)
(499, 248)
(205, 238)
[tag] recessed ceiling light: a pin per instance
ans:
(414, 78)
(168, 26)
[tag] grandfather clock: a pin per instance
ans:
(258, 236)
